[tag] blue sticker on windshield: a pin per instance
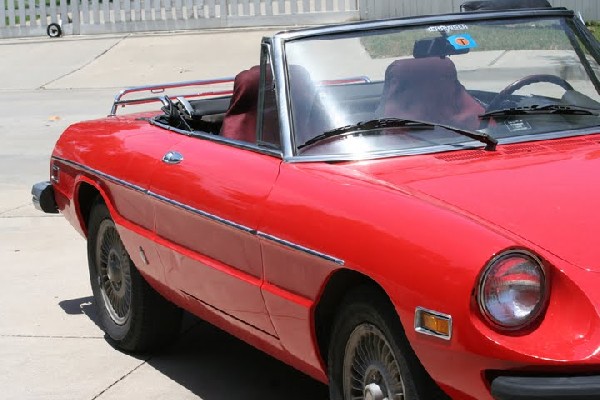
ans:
(462, 41)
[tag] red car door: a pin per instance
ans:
(209, 198)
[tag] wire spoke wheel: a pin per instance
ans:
(135, 317)
(370, 369)
(113, 272)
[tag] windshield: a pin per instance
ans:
(537, 74)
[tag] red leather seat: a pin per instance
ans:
(428, 89)
(240, 119)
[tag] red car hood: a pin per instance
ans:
(545, 192)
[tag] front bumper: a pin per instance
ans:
(547, 388)
(43, 197)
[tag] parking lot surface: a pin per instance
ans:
(50, 344)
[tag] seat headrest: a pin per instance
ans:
(245, 90)
(428, 89)
(240, 120)
(418, 69)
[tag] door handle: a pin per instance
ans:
(173, 157)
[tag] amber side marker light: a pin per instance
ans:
(433, 323)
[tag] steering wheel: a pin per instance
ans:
(168, 106)
(528, 80)
(173, 115)
(187, 107)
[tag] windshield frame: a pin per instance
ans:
(280, 67)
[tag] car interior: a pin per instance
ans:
(423, 88)
(407, 90)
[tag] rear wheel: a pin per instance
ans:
(369, 356)
(133, 315)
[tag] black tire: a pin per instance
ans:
(369, 353)
(134, 316)
(54, 30)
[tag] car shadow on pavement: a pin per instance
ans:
(217, 366)
(82, 305)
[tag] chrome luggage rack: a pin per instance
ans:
(164, 99)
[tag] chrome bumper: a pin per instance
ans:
(43, 197)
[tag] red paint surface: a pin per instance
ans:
(422, 227)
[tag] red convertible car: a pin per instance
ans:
(403, 209)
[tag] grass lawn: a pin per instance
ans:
(595, 28)
(488, 37)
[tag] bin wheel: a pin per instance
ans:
(54, 30)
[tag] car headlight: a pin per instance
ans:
(513, 290)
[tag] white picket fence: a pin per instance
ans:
(20, 18)
(376, 9)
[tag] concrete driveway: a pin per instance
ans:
(50, 344)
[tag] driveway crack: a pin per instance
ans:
(43, 87)
(495, 60)
(183, 333)
(16, 208)
(120, 379)
(51, 337)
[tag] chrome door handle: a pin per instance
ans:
(173, 157)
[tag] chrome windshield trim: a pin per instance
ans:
(279, 64)
(202, 213)
(300, 248)
(471, 145)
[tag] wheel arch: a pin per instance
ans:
(339, 284)
(334, 296)
(86, 194)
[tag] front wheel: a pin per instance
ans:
(134, 316)
(369, 356)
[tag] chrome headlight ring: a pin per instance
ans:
(513, 290)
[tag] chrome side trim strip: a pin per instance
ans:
(101, 174)
(159, 197)
(202, 213)
(300, 248)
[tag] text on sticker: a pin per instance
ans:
(447, 28)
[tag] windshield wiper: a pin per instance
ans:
(540, 110)
(368, 126)
(382, 123)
